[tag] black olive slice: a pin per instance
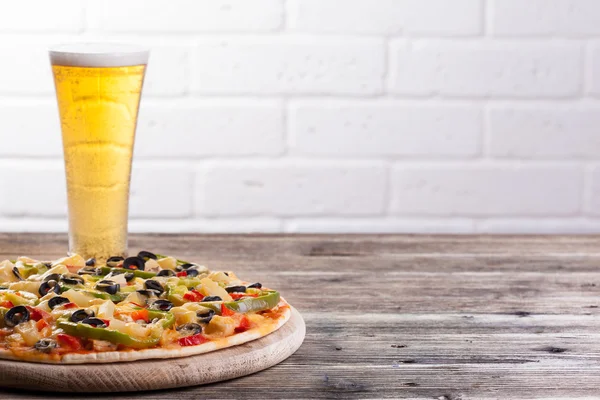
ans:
(154, 286)
(16, 316)
(129, 276)
(114, 261)
(205, 316)
(185, 266)
(80, 315)
(47, 287)
(146, 255)
(226, 273)
(57, 301)
(71, 279)
(108, 286)
(256, 285)
(94, 322)
(90, 262)
(90, 271)
(236, 289)
(212, 298)
(52, 277)
(45, 345)
(166, 272)
(134, 263)
(16, 273)
(47, 264)
(161, 305)
(192, 272)
(189, 329)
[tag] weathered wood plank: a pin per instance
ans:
(388, 316)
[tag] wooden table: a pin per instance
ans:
(427, 317)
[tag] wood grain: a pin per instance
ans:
(405, 316)
(224, 364)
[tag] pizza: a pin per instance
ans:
(74, 311)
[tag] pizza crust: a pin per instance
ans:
(146, 354)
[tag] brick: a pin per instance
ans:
(41, 16)
(387, 17)
(536, 132)
(380, 225)
(33, 190)
(383, 128)
(184, 15)
(160, 191)
(210, 128)
(279, 65)
(481, 190)
(290, 189)
(545, 17)
(538, 226)
(168, 70)
(479, 69)
(30, 128)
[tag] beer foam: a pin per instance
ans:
(98, 55)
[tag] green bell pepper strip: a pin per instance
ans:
(116, 298)
(251, 304)
(116, 337)
(136, 272)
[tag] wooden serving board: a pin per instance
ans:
(206, 368)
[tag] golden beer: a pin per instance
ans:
(98, 97)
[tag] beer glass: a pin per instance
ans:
(98, 88)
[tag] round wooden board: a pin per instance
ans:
(206, 368)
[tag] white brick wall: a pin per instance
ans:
(325, 115)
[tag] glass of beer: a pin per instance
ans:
(98, 88)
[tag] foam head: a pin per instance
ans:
(98, 55)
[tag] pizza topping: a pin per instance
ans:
(15, 316)
(68, 341)
(108, 286)
(166, 272)
(193, 340)
(95, 322)
(256, 285)
(189, 329)
(212, 298)
(154, 286)
(146, 255)
(80, 315)
(140, 302)
(16, 273)
(114, 261)
(236, 289)
(205, 315)
(71, 279)
(161, 305)
(47, 287)
(134, 263)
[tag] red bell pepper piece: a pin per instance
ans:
(244, 325)
(7, 304)
(68, 341)
(226, 311)
(181, 274)
(193, 295)
(192, 340)
(36, 314)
